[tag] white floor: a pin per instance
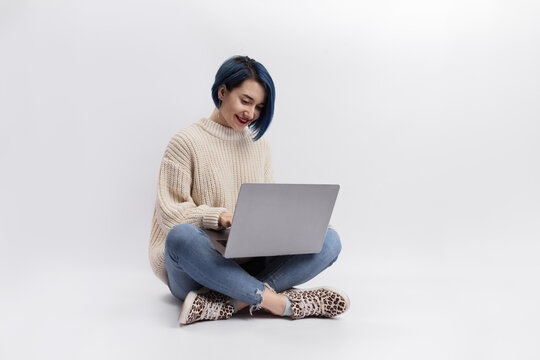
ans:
(125, 312)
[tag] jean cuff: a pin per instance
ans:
(258, 306)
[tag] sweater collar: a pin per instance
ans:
(223, 132)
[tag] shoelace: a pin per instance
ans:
(213, 310)
(310, 308)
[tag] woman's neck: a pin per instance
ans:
(215, 118)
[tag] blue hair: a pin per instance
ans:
(232, 73)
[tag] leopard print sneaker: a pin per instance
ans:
(205, 304)
(321, 302)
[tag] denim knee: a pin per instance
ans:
(180, 238)
(332, 244)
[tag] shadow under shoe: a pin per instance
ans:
(205, 304)
(321, 302)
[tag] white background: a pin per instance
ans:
(425, 112)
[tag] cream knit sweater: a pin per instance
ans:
(200, 177)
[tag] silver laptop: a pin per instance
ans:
(277, 219)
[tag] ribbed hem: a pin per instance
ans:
(211, 218)
(223, 132)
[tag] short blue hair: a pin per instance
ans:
(232, 73)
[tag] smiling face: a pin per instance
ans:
(241, 106)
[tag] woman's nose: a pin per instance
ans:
(249, 113)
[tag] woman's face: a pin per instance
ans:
(242, 105)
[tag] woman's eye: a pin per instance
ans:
(244, 102)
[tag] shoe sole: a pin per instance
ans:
(188, 302)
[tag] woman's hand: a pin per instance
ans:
(225, 220)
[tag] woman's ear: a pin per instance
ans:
(222, 90)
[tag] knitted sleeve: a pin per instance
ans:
(174, 204)
(268, 168)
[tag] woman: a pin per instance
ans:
(200, 176)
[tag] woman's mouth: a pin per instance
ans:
(242, 121)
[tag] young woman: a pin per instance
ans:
(200, 176)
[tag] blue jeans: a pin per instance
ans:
(192, 262)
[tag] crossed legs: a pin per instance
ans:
(192, 262)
